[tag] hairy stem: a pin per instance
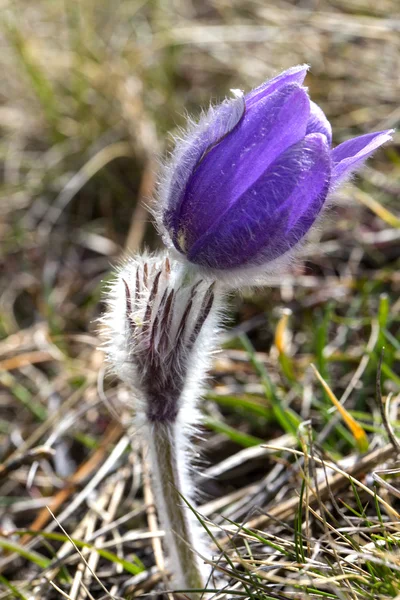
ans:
(171, 483)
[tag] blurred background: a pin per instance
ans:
(90, 94)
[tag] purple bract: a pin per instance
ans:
(248, 182)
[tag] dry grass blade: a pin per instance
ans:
(335, 483)
(94, 464)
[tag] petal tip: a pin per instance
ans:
(304, 67)
(294, 74)
(350, 155)
(389, 133)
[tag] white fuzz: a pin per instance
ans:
(159, 327)
(159, 330)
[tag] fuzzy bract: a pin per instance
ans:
(246, 184)
(158, 328)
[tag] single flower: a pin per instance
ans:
(246, 184)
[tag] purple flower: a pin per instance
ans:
(249, 180)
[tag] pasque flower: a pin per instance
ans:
(246, 184)
(243, 188)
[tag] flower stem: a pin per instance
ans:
(171, 482)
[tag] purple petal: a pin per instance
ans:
(228, 170)
(293, 75)
(318, 123)
(212, 128)
(350, 155)
(272, 215)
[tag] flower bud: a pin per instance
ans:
(246, 184)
